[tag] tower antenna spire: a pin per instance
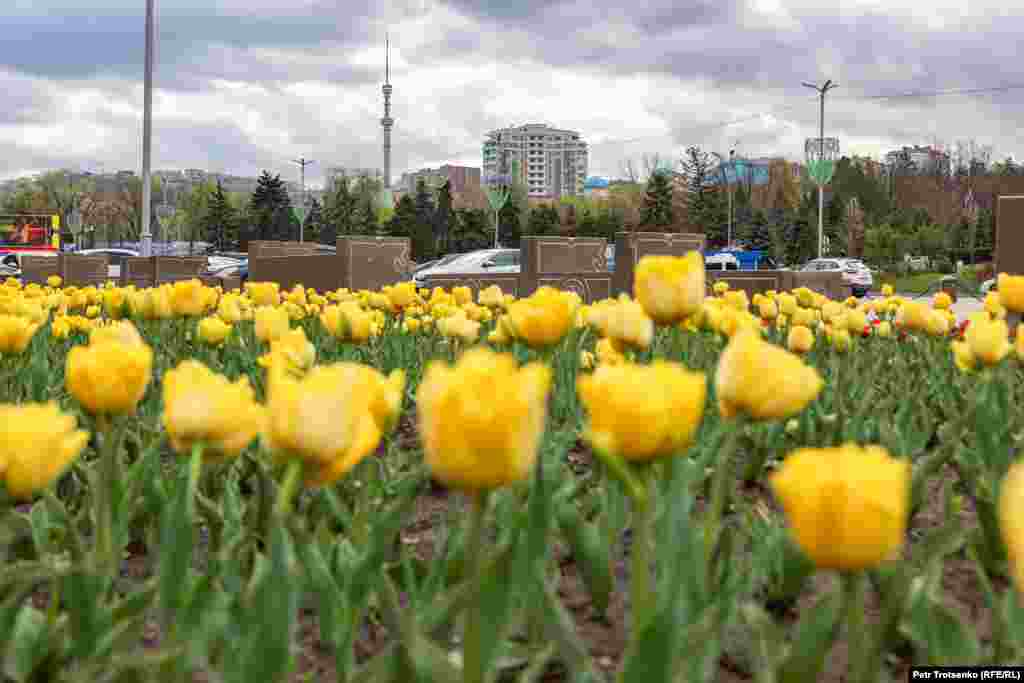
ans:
(387, 58)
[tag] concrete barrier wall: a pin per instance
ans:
(321, 272)
(139, 271)
(1009, 215)
(36, 268)
(370, 262)
(169, 269)
(82, 271)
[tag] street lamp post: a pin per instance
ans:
(303, 163)
(821, 159)
(732, 165)
(146, 238)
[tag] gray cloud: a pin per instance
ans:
(708, 62)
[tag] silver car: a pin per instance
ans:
(855, 274)
(478, 262)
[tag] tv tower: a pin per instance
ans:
(387, 121)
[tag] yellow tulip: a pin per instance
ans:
(401, 295)
(462, 295)
(291, 352)
(162, 302)
(962, 356)
(61, 328)
(121, 331)
(624, 322)
(92, 311)
(720, 288)
(884, 329)
(188, 298)
(54, 281)
(841, 340)
(737, 299)
(1011, 520)
(15, 334)
(587, 360)
(482, 420)
(787, 304)
(607, 353)
(458, 326)
(847, 507)
(988, 339)
(37, 444)
(669, 287)
(263, 293)
(230, 309)
(271, 323)
(201, 406)
(800, 339)
(887, 291)
(768, 309)
(213, 331)
(492, 297)
(763, 380)
(1011, 292)
(108, 378)
(914, 316)
(942, 301)
(643, 412)
(856, 321)
(802, 316)
(542, 319)
(320, 421)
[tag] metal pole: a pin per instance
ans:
(147, 136)
(731, 190)
(821, 190)
(496, 228)
(302, 163)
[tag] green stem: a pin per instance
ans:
(105, 559)
(719, 484)
(641, 590)
(195, 466)
(854, 589)
(289, 487)
(472, 645)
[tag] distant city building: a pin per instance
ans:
(334, 172)
(918, 160)
(752, 171)
(461, 179)
(596, 188)
(552, 161)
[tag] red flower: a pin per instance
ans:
(867, 330)
(876, 321)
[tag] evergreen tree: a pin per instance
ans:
(269, 202)
(423, 235)
(315, 227)
(757, 232)
(657, 209)
(510, 225)
(445, 218)
(471, 230)
(220, 225)
(365, 219)
(284, 225)
(340, 208)
(543, 220)
(403, 221)
(707, 205)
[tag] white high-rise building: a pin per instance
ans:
(552, 161)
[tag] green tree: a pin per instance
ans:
(707, 198)
(471, 230)
(445, 218)
(543, 220)
(403, 220)
(314, 229)
(757, 232)
(220, 221)
(340, 207)
(510, 227)
(268, 207)
(657, 208)
(365, 219)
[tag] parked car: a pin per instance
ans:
(854, 272)
(116, 258)
(721, 261)
(483, 261)
(239, 269)
(988, 286)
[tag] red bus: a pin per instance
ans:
(28, 233)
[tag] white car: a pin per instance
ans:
(116, 258)
(855, 273)
(483, 261)
(721, 261)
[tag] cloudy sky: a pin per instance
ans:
(243, 85)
